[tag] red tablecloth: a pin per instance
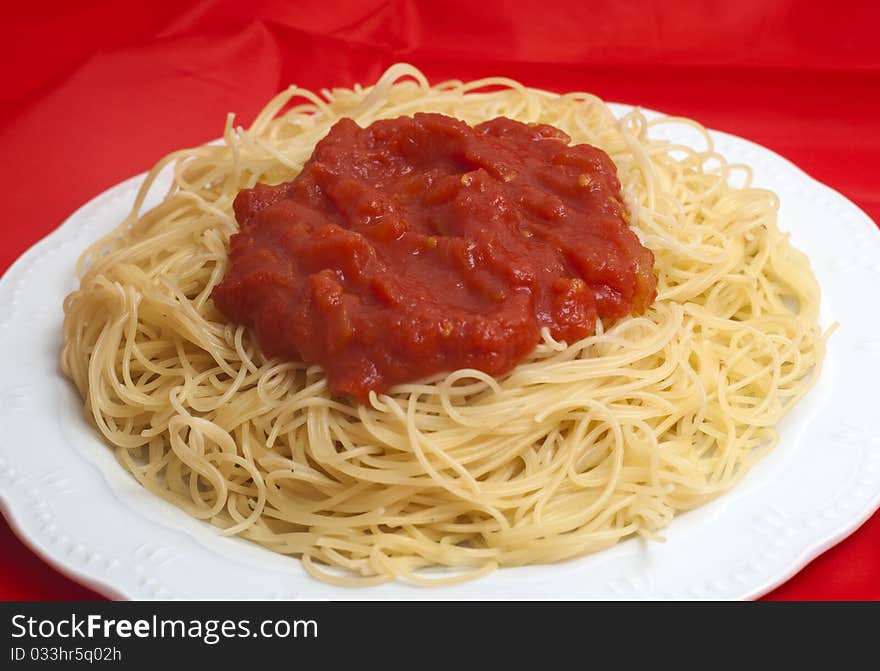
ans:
(95, 92)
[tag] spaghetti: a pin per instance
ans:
(581, 445)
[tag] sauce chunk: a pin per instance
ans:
(422, 245)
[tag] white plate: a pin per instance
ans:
(69, 500)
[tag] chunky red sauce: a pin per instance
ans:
(422, 245)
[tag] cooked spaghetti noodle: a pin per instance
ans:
(581, 445)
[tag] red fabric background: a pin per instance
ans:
(95, 92)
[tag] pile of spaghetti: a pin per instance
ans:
(581, 445)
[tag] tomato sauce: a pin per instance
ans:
(422, 245)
